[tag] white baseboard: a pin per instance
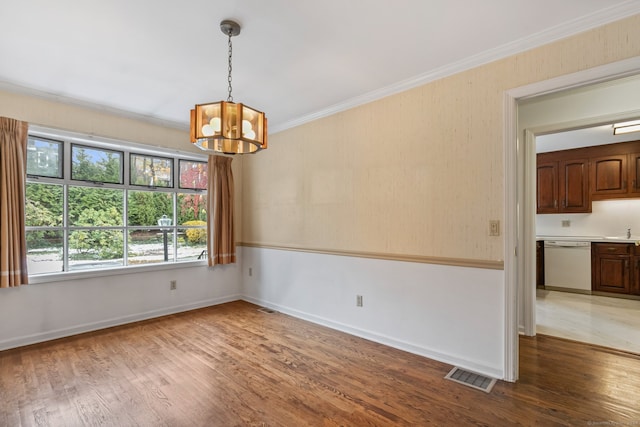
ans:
(383, 339)
(103, 324)
(362, 333)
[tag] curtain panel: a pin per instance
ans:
(13, 164)
(221, 244)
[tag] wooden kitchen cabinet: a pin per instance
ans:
(635, 265)
(609, 175)
(563, 186)
(634, 174)
(540, 263)
(602, 172)
(615, 176)
(547, 185)
(611, 267)
(574, 186)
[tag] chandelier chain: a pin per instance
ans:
(230, 97)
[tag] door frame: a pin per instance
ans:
(519, 215)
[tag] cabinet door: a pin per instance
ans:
(574, 186)
(540, 264)
(609, 175)
(635, 280)
(547, 187)
(612, 273)
(634, 174)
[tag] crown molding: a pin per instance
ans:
(18, 89)
(566, 29)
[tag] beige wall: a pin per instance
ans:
(48, 113)
(419, 173)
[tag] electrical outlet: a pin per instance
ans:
(250, 271)
(173, 284)
(566, 223)
(358, 300)
(494, 227)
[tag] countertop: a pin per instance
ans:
(606, 239)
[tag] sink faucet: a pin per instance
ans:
(628, 233)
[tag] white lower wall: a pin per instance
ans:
(40, 312)
(451, 314)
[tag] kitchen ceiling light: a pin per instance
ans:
(626, 127)
(227, 127)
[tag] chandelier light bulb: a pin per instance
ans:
(215, 124)
(207, 130)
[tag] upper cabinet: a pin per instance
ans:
(634, 174)
(609, 175)
(615, 176)
(568, 180)
(574, 186)
(563, 186)
(547, 184)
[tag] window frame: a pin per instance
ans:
(61, 158)
(94, 147)
(153, 157)
(126, 148)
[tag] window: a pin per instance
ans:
(96, 165)
(95, 205)
(151, 171)
(193, 175)
(44, 157)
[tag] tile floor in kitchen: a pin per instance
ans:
(610, 322)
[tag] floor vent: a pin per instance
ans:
(266, 310)
(471, 379)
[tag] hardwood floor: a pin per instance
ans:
(234, 365)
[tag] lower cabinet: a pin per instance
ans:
(540, 264)
(615, 267)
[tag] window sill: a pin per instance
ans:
(90, 274)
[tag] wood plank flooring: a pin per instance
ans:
(232, 365)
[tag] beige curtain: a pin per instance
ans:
(221, 244)
(13, 164)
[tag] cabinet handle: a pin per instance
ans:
(624, 185)
(611, 249)
(555, 203)
(626, 264)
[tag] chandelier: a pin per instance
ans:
(227, 127)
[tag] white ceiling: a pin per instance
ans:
(295, 60)
(587, 137)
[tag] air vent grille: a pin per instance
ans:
(471, 379)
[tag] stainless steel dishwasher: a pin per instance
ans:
(567, 264)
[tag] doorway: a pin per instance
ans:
(565, 307)
(519, 148)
